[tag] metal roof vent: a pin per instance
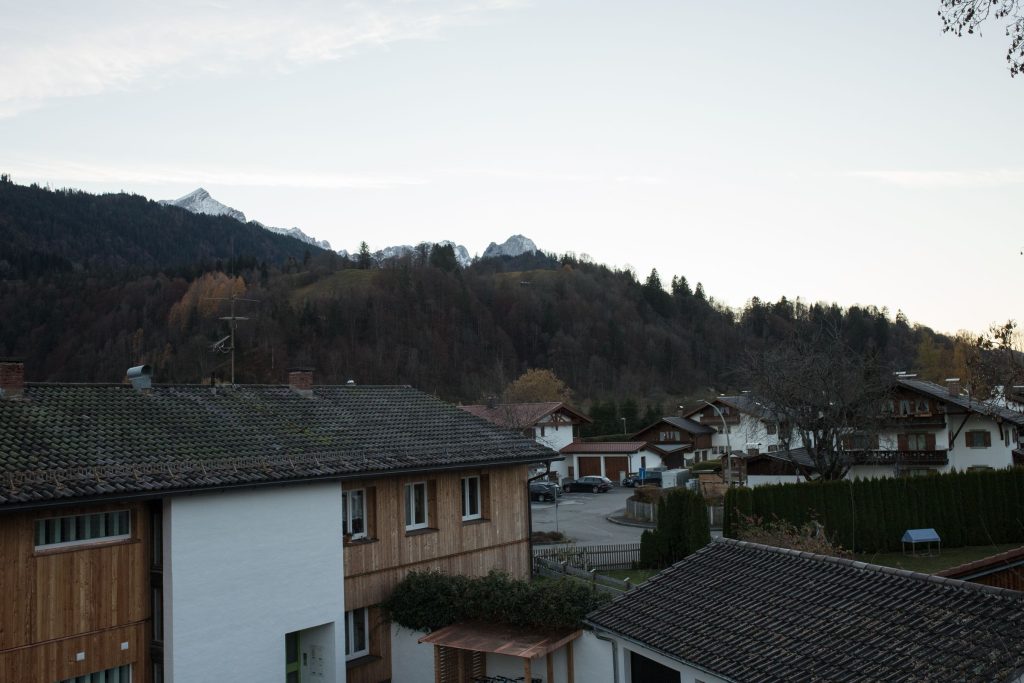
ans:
(141, 377)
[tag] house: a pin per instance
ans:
(193, 533)
(612, 459)
(736, 611)
(929, 427)
(677, 441)
(743, 424)
(551, 423)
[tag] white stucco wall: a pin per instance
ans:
(755, 480)
(750, 433)
(244, 568)
(556, 437)
(410, 661)
(998, 455)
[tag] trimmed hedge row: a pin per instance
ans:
(870, 515)
(682, 529)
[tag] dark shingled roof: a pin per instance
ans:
(686, 425)
(748, 612)
(522, 415)
(584, 447)
(966, 402)
(67, 442)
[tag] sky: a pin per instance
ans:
(837, 152)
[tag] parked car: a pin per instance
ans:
(544, 490)
(590, 483)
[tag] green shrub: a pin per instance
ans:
(683, 528)
(426, 601)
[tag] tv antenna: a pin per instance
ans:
(227, 344)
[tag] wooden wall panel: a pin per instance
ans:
(498, 542)
(55, 660)
(77, 598)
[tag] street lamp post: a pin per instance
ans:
(623, 425)
(728, 446)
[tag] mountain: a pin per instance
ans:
(513, 246)
(400, 250)
(200, 201)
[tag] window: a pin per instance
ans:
(81, 529)
(416, 506)
(542, 431)
(922, 407)
(119, 674)
(905, 407)
(724, 429)
(353, 507)
(772, 427)
(917, 442)
(357, 633)
(978, 438)
(471, 508)
(773, 447)
(888, 407)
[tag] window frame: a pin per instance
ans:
(350, 631)
(467, 495)
(40, 531)
(970, 438)
(347, 504)
(916, 439)
(409, 496)
(119, 670)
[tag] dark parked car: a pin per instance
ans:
(593, 484)
(544, 490)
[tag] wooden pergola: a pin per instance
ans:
(478, 638)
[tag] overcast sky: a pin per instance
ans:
(844, 152)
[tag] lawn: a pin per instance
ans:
(950, 557)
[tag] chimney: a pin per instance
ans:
(300, 380)
(141, 377)
(953, 386)
(12, 378)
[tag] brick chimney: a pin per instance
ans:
(12, 378)
(953, 386)
(301, 381)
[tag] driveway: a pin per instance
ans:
(582, 517)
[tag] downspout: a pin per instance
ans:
(615, 655)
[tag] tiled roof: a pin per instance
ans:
(986, 565)
(797, 456)
(745, 403)
(687, 425)
(942, 394)
(81, 441)
(602, 447)
(749, 612)
(522, 415)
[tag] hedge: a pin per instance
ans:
(682, 529)
(870, 515)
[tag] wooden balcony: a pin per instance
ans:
(899, 458)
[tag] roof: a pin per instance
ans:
(500, 639)
(67, 442)
(920, 536)
(941, 393)
(797, 456)
(986, 565)
(749, 612)
(602, 447)
(522, 415)
(682, 423)
(745, 403)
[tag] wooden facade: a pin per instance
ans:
(58, 602)
(374, 566)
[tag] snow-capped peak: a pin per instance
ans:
(200, 201)
(513, 246)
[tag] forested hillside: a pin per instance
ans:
(90, 285)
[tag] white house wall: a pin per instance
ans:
(244, 568)
(755, 480)
(556, 437)
(410, 660)
(998, 455)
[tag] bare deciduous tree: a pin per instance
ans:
(827, 398)
(968, 16)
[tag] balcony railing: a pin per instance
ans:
(901, 458)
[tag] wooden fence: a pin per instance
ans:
(555, 569)
(587, 557)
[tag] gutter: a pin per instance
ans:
(215, 488)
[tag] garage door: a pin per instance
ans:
(616, 467)
(589, 466)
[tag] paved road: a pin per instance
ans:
(582, 517)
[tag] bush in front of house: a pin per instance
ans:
(426, 601)
(683, 528)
